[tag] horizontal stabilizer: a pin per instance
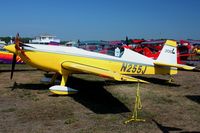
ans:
(186, 67)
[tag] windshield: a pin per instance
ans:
(102, 47)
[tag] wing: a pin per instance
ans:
(77, 67)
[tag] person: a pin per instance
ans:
(117, 52)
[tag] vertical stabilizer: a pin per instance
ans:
(168, 56)
(168, 53)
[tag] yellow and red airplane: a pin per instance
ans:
(68, 60)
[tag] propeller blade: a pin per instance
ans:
(127, 40)
(19, 46)
(13, 65)
(17, 42)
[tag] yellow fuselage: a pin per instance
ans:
(52, 62)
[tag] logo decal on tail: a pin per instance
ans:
(170, 51)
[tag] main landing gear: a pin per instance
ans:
(62, 89)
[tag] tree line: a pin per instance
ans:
(8, 39)
(22, 39)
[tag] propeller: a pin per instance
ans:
(19, 46)
(127, 42)
(17, 43)
(13, 65)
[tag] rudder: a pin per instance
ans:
(168, 53)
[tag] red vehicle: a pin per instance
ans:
(155, 45)
(152, 49)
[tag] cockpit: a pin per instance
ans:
(104, 47)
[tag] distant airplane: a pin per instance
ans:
(6, 57)
(68, 60)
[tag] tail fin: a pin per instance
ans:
(168, 53)
(168, 56)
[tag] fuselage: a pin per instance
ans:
(50, 58)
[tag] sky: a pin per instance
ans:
(101, 19)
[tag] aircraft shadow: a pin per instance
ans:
(93, 96)
(30, 86)
(195, 98)
(190, 132)
(165, 129)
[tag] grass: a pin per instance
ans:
(28, 95)
(159, 99)
(70, 120)
(91, 110)
(123, 98)
(8, 110)
(17, 67)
